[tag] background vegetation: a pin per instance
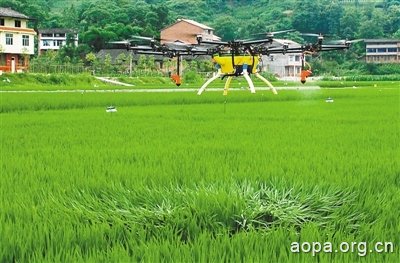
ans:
(100, 21)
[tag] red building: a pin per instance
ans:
(186, 31)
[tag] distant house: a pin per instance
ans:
(16, 41)
(186, 31)
(382, 50)
(288, 65)
(55, 38)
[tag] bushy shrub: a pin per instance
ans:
(191, 77)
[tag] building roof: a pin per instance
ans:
(381, 40)
(56, 30)
(8, 12)
(195, 23)
(202, 26)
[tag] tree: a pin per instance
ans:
(397, 34)
(97, 38)
(392, 22)
(308, 16)
(333, 11)
(372, 24)
(91, 61)
(350, 22)
(70, 17)
(225, 27)
(107, 64)
(142, 62)
(151, 63)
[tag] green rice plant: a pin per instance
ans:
(180, 177)
(349, 83)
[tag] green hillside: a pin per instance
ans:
(101, 21)
(229, 18)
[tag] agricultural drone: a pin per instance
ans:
(237, 58)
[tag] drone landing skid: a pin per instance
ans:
(227, 84)
(209, 81)
(266, 82)
(229, 79)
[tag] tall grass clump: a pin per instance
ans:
(192, 211)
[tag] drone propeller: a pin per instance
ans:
(311, 35)
(176, 43)
(345, 41)
(122, 42)
(152, 39)
(320, 36)
(271, 34)
(145, 38)
(141, 48)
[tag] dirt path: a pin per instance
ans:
(115, 82)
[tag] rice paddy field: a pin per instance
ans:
(176, 177)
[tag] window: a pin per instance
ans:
(1, 21)
(59, 35)
(47, 35)
(381, 50)
(17, 23)
(57, 43)
(9, 39)
(46, 43)
(392, 49)
(25, 40)
(297, 58)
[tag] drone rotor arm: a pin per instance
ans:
(217, 43)
(140, 48)
(255, 42)
(333, 47)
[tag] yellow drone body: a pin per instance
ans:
(233, 65)
(228, 64)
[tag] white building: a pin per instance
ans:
(55, 38)
(16, 41)
(382, 50)
(288, 65)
